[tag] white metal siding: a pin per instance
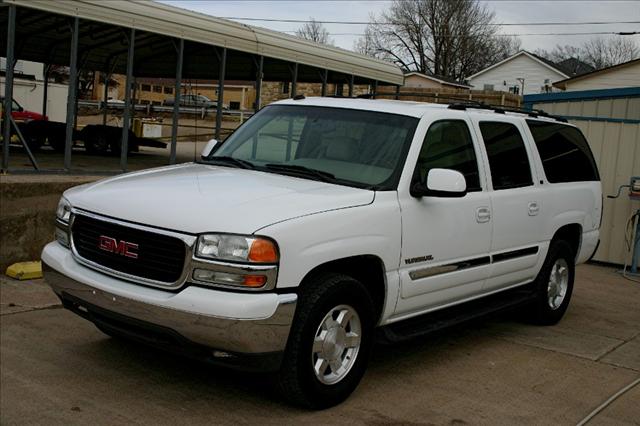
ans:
(628, 76)
(520, 66)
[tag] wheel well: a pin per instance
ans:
(367, 269)
(572, 234)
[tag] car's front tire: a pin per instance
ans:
(330, 342)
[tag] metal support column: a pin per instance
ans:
(294, 80)
(124, 139)
(71, 97)
(45, 95)
(222, 57)
(107, 78)
(8, 88)
(375, 88)
(176, 103)
(351, 86)
(397, 92)
(325, 77)
(259, 83)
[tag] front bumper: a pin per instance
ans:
(224, 325)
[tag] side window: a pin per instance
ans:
(448, 145)
(507, 155)
(564, 151)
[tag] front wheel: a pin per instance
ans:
(554, 285)
(329, 344)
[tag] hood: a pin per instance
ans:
(196, 198)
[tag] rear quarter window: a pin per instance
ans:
(565, 153)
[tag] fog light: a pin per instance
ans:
(62, 237)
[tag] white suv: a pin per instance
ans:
(322, 222)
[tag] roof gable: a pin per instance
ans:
(438, 79)
(544, 62)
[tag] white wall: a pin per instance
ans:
(25, 67)
(30, 94)
(627, 76)
(521, 66)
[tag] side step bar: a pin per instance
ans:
(435, 321)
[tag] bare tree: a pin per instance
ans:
(597, 52)
(601, 52)
(314, 31)
(452, 38)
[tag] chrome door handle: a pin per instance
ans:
(534, 208)
(483, 214)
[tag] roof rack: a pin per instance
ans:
(501, 109)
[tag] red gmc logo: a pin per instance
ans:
(123, 248)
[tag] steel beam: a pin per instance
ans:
(8, 88)
(375, 88)
(259, 83)
(106, 77)
(351, 78)
(72, 95)
(325, 77)
(124, 140)
(397, 92)
(45, 95)
(294, 80)
(223, 65)
(176, 102)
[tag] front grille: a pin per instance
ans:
(159, 257)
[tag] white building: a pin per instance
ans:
(622, 75)
(423, 81)
(523, 73)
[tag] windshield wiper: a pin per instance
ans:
(302, 170)
(226, 160)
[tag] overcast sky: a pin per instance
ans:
(507, 11)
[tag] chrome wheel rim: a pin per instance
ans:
(558, 283)
(336, 344)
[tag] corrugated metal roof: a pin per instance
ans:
(171, 21)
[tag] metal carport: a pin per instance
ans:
(146, 39)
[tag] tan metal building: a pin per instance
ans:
(610, 120)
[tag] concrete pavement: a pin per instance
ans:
(56, 368)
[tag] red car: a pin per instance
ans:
(20, 114)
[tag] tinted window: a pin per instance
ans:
(448, 145)
(507, 155)
(564, 151)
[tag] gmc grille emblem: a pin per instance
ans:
(123, 248)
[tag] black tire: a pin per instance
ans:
(297, 380)
(541, 312)
(96, 143)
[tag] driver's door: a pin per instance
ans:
(445, 241)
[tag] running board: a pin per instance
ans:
(455, 315)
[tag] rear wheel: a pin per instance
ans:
(329, 344)
(554, 285)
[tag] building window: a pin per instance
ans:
(514, 89)
(146, 88)
(168, 90)
(157, 89)
(286, 87)
(488, 87)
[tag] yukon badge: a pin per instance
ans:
(123, 248)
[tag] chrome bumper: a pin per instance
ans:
(224, 335)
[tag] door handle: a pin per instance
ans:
(483, 214)
(534, 208)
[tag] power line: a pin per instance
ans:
(304, 21)
(509, 35)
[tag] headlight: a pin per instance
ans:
(64, 210)
(237, 248)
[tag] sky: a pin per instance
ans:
(506, 11)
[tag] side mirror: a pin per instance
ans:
(444, 183)
(208, 148)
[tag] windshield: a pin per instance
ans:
(350, 147)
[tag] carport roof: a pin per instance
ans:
(42, 33)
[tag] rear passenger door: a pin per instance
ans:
(516, 203)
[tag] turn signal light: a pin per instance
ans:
(255, 281)
(263, 251)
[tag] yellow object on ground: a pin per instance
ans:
(25, 270)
